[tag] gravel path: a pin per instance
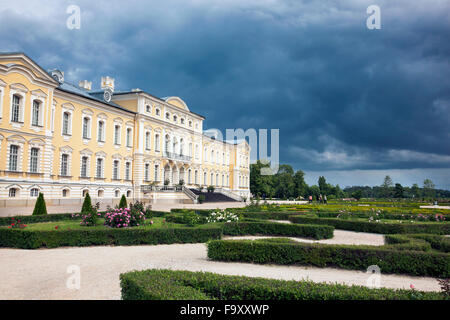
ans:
(42, 274)
(340, 237)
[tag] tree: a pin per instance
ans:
(357, 194)
(386, 186)
(323, 185)
(428, 188)
(87, 205)
(123, 202)
(398, 191)
(40, 208)
(415, 190)
(301, 188)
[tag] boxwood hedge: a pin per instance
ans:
(375, 227)
(32, 239)
(278, 229)
(390, 260)
(185, 285)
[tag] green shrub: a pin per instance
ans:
(88, 212)
(277, 229)
(32, 239)
(376, 227)
(40, 208)
(123, 202)
(185, 285)
(342, 256)
(201, 198)
(279, 215)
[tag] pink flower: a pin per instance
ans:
(412, 286)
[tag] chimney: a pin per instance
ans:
(107, 83)
(86, 85)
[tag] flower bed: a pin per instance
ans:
(186, 285)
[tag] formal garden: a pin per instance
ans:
(416, 243)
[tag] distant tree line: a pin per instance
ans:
(287, 183)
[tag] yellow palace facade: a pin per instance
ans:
(65, 140)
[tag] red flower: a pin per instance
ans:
(56, 227)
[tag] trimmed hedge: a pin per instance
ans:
(437, 242)
(22, 238)
(375, 227)
(186, 285)
(277, 229)
(276, 215)
(6, 221)
(342, 256)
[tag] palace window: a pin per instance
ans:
(182, 121)
(12, 192)
(157, 142)
(117, 135)
(168, 116)
(147, 140)
(15, 112)
(148, 108)
(13, 157)
(86, 123)
(129, 193)
(65, 193)
(34, 192)
(99, 171)
(156, 172)
(211, 182)
(157, 112)
(100, 193)
(175, 118)
(116, 169)
(127, 171)
(101, 131)
(66, 123)
(196, 177)
(146, 172)
(35, 113)
(116, 193)
(34, 158)
(64, 165)
(204, 178)
(84, 166)
(129, 141)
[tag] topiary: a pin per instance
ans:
(40, 208)
(87, 205)
(123, 202)
(88, 212)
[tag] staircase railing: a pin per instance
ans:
(228, 193)
(190, 194)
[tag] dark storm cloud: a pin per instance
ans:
(343, 96)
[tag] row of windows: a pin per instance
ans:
(17, 110)
(174, 118)
(34, 192)
(14, 159)
(215, 157)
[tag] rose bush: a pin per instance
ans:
(124, 217)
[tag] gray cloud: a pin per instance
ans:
(344, 97)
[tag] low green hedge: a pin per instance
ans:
(342, 256)
(437, 242)
(277, 229)
(276, 215)
(6, 221)
(375, 227)
(186, 285)
(32, 239)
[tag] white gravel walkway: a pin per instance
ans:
(340, 237)
(42, 274)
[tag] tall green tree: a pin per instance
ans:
(387, 187)
(39, 207)
(301, 188)
(87, 205)
(415, 190)
(399, 191)
(428, 188)
(323, 186)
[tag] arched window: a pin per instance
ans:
(66, 123)
(116, 193)
(196, 177)
(101, 131)
(116, 169)
(34, 192)
(35, 113)
(15, 111)
(85, 192)
(156, 172)
(65, 193)
(147, 140)
(34, 160)
(167, 116)
(157, 142)
(64, 165)
(100, 193)
(12, 192)
(128, 193)
(13, 157)
(86, 121)
(148, 109)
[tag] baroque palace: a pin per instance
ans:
(66, 140)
